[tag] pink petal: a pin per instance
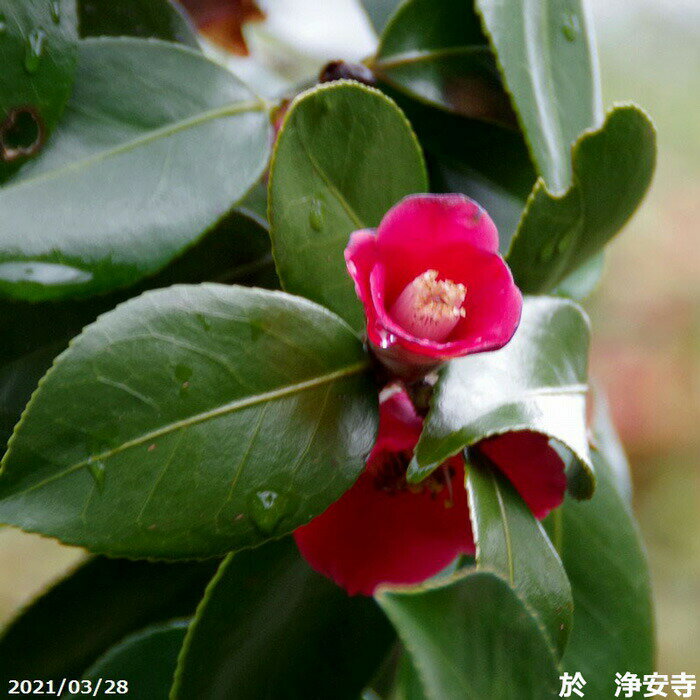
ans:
(533, 467)
(423, 230)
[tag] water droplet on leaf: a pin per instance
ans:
(203, 321)
(571, 27)
(36, 42)
(547, 251)
(3, 24)
(316, 215)
(267, 508)
(97, 472)
(564, 242)
(56, 11)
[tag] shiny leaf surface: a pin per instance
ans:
(345, 155)
(471, 637)
(613, 168)
(511, 542)
(145, 660)
(270, 627)
(546, 55)
(136, 173)
(219, 417)
(148, 19)
(538, 382)
(437, 53)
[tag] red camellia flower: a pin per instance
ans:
(385, 530)
(432, 283)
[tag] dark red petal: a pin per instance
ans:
(370, 537)
(533, 467)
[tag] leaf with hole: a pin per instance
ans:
(537, 382)
(219, 417)
(38, 46)
(139, 169)
(612, 169)
(310, 639)
(345, 155)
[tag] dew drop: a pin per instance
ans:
(56, 11)
(204, 322)
(97, 472)
(571, 27)
(183, 373)
(564, 242)
(3, 23)
(547, 251)
(267, 508)
(48, 274)
(36, 42)
(316, 215)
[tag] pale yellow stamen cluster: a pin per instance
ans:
(430, 308)
(438, 299)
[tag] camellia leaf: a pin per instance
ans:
(345, 155)
(38, 45)
(604, 559)
(236, 250)
(219, 417)
(437, 53)
(67, 628)
(511, 542)
(549, 65)
(136, 173)
(582, 282)
(613, 168)
(471, 637)
(537, 382)
(271, 627)
(142, 665)
(379, 12)
(149, 19)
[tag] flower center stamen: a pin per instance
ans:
(430, 308)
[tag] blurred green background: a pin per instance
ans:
(646, 317)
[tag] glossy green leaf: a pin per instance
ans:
(546, 55)
(470, 637)
(538, 381)
(145, 661)
(237, 250)
(407, 685)
(219, 417)
(148, 19)
(511, 542)
(601, 549)
(270, 627)
(583, 281)
(613, 168)
(345, 155)
(437, 53)
(67, 628)
(136, 173)
(38, 45)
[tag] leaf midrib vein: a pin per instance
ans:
(229, 110)
(211, 414)
(425, 55)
